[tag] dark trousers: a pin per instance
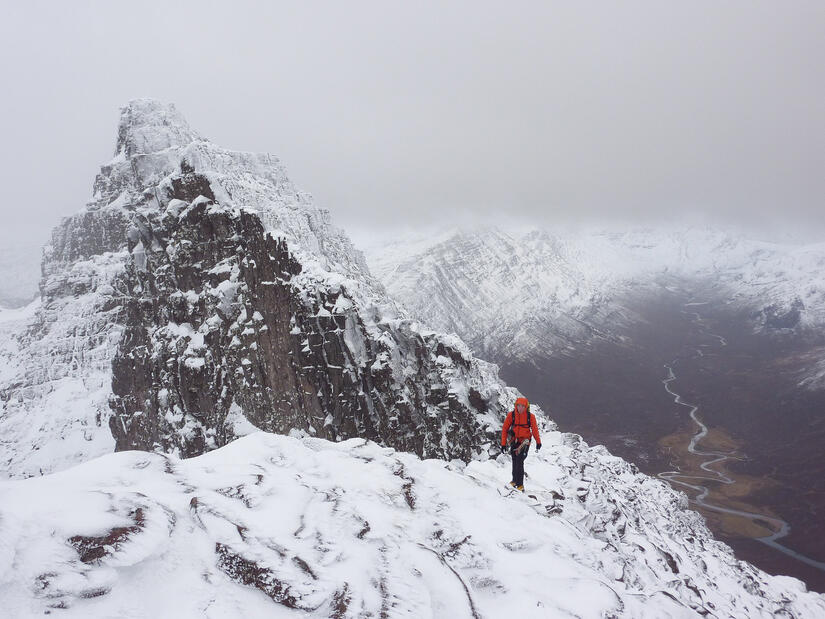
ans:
(518, 463)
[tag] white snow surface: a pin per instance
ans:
(282, 526)
(349, 529)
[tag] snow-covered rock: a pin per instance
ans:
(56, 370)
(285, 527)
(198, 285)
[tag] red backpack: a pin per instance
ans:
(511, 432)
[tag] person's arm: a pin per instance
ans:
(508, 421)
(535, 429)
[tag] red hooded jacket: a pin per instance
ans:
(522, 429)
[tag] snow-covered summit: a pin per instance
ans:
(149, 126)
(155, 143)
(200, 296)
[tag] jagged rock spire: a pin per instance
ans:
(150, 126)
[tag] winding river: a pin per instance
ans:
(694, 482)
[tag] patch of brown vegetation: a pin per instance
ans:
(249, 573)
(340, 603)
(238, 492)
(739, 495)
(401, 472)
(92, 549)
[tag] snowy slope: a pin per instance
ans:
(282, 526)
(154, 139)
(514, 292)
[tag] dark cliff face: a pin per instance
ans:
(216, 327)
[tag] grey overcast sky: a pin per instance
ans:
(393, 112)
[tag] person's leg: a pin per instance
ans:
(523, 458)
(518, 468)
(514, 458)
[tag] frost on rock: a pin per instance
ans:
(219, 312)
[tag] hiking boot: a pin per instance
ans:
(512, 484)
(520, 488)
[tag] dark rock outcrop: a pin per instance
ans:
(199, 295)
(215, 327)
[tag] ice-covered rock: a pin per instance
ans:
(199, 297)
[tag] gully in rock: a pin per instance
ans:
(780, 527)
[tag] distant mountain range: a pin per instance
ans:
(515, 295)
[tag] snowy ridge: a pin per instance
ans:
(199, 297)
(282, 526)
(503, 294)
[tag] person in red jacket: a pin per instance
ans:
(523, 424)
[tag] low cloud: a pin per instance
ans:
(392, 113)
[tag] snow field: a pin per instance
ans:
(302, 527)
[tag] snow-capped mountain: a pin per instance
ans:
(286, 526)
(199, 290)
(515, 294)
